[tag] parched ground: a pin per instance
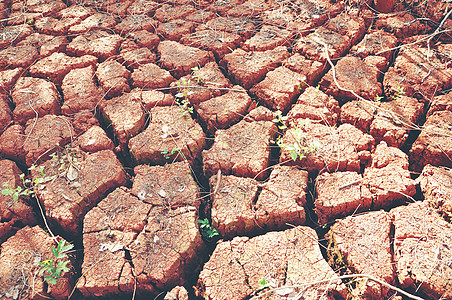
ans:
(225, 149)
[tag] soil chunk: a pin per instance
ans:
(374, 43)
(95, 139)
(93, 22)
(269, 37)
(175, 29)
(113, 78)
(150, 76)
(97, 43)
(18, 56)
(218, 42)
(12, 143)
(313, 70)
(436, 185)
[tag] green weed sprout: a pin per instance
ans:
(55, 267)
(280, 120)
(399, 93)
(207, 230)
(299, 149)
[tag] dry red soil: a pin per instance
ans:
(315, 136)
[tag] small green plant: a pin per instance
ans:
(195, 74)
(166, 153)
(263, 284)
(207, 230)
(299, 149)
(56, 266)
(182, 97)
(378, 98)
(398, 93)
(280, 120)
(27, 187)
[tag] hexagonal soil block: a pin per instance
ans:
(269, 37)
(5, 112)
(248, 68)
(419, 72)
(46, 44)
(14, 213)
(153, 98)
(150, 76)
(359, 113)
(14, 34)
(97, 43)
(376, 42)
(223, 111)
(93, 22)
(354, 74)
(436, 185)
(279, 88)
(208, 82)
(441, 102)
(219, 42)
(125, 115)
(133, 23)
(250, 8)
(134, 58)
(12, 143)
(348, 24)
(180, 59)
(168, 12)
(422, 259)
(171, 185)
(313, 70)
(74, 182)
(315, 105)
(282, 258)
(395, 119)
(175, 29)
(8, 78)
(243, 26)
(94, 139)
(171, 135)
(19, 56)
(49, 25)
(144, 38)
(313, 45)
(242, 150)
(403, 25)
(57, 65)
(34, 97)
(326, 148)
(80, 91)
(282, 199)
(143, 7)
(19, 269)
(364, 243)
(434, 144)
(113, 78)
(233, 201)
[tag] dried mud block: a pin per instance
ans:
(5, 113)
(419, 72)
(20, 17)
(401, 25)
(93, 22)
(171, 185)
(53, 26)
(10, 35)
(180, 59)
(94, 139)
(152, 98)
(395, 119)
(218, 42)
(348, 24)
(209, 82)
(34, 97)
(133, 23)
(125, 115)
(421, 250)
(328, 148)
(135, 58)
(46, 44)
(14, 213)
(313, 45)
(168, 12)
(12, 143)
(225, 110)
(19, 269)
(436, 185)
(242, 150)
(117, 9)
(282, 199)
(45, 7)
(113, 78)
(76, 11)
(97, 43)
(75, 183)
(441, 102)
(233, 205)
(144, 38)
(376, 42)
(364, 243)
(315, 105)
(278, 16)
(269, 37)
(200, 16)
(249, 8)
(142, 7)
(8, 79)
(354, 74)
(248, 68)
(171, 135)
(175, 29)
(58, 64)
(80, 91)
(150, 76)
(18, 56)
(313, 70)
(340, 194)
(359, 113)
(433, 145)
(177, 293)
(242, 26)
(260, 113)
(279, 88)
(283, 258)
(222, 6)
(82, 121)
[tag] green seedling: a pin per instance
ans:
(263, 284)
(182, 98)
(378, 98)
(55, 267)
(207, 230)
(280, 120)
(398, 93)
(166, 153)
(299, 149)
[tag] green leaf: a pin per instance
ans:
(6, 192)
(293, 155)
(54, 251)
